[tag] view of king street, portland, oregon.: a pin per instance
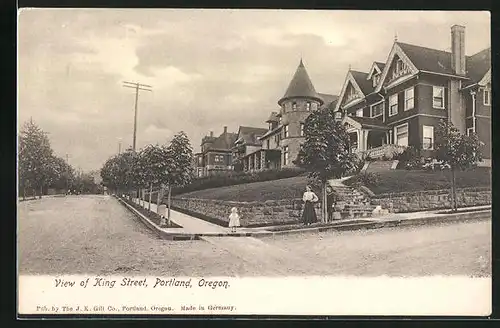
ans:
(254, 143)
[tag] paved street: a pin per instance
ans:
(97, 235)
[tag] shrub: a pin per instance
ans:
(410, 158)
(364, 179)
(234, 178)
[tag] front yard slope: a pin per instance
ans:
(256, 191)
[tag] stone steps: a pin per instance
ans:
(351, 203)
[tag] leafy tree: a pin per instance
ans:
(456, 150)
(178, 171)
(153, 163)
(326, 151)
(35, 157)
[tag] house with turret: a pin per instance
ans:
(280, 144)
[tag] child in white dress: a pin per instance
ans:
(234, 219)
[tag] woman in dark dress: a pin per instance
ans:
(309, 214)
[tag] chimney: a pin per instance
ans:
(458, 49)
(225, 129)
(211, 134)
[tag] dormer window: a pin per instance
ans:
(308, 106)
(375, 79)
(359, 112)
(294, 106)
(351, 94)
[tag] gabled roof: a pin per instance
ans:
(300, 85)
(478, 65)
(224, 142)
(328, 100)
(349, 79)
(273, 117)
(365, 85)
(376, 67)
(249, 135)
(428, 59)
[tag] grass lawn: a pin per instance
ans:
(405, 181)
(256, 191)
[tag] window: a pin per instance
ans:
(409, 98)
(285, 131)
(301, 129)
(470, 131)
(401, 133)
(428, 137)
(437, 97)
(486, 97)
(393, 105)
(294, 106)
(375, 79)
(377, 109)
(285, 155)
(268, 143)
(359, 112)
(219, 158)
(308, 106)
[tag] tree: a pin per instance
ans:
(456, 150)
(326, 151)
(178, 171)
(35, 157)
(153, 162)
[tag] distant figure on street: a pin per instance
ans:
(309, 214)
(234, 219)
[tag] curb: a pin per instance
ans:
(442, 218)
(152, 226)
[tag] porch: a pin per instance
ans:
(368, 136)
(264, 159)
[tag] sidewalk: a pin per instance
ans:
(200, 228)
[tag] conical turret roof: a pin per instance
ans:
(300, 86)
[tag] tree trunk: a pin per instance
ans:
(169, 202)
(158, 197)
(24, 193)
(325, 197)
(150, 192)
(324, 215)
(41, 191)
(454, 190)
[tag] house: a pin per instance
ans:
(280, 144)
(399, 103)
(247, 143)
(216, 154)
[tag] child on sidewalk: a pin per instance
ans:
(234, 219)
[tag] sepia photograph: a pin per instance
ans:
(226, 161)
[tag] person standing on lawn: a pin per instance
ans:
(234, 219)
(309, 214)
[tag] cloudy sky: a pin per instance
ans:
(208, 68)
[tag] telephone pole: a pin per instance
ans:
(137, 87)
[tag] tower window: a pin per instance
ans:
(294, 106)
(308, 106)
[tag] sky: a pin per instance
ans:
(207, 68)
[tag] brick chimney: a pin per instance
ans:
(225, 129)
(458, 49)
(211, 134)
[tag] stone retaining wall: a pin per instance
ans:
(432, 199)
(272, 212)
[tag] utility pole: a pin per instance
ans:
(119, 146)
(137, 87)
(67, 173)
